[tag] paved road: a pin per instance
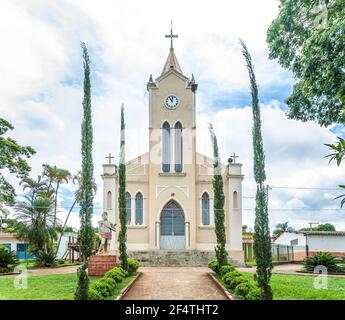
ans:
(169, 283)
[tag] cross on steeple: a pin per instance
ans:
(232, 158)
(171, 36)
(109, 157)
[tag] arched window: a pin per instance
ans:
(235, 200)
(128, 207)
(166, 147)
(109, 201)
(178, 147)
(139, 209)
(205, 208)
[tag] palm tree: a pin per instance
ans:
(36, 187)
(76, 180)
(281, 228)
(36, 217)
(57, 175)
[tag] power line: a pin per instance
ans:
(300, 209)
(306, 188)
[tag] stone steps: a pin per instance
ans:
(166, 258)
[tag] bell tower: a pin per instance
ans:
(172, 145)
(172, 115)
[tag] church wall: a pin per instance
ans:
(138, 233)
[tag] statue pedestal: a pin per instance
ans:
(100, 264)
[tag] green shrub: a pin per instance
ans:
(233, 279)
(116, 274)
(133, 266)
(254, 294)
(104, 287)
(243, 288)
(215, 266)
(95, 295)
(8, 260)
(45, 259)
(321, 259)
(61, 261)
(124, 272)
(226, 269)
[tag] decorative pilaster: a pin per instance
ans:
(235, 178)
(109, 178)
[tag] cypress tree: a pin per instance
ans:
(122, 197)
(86, 233)
(262, 239)
(218, 191)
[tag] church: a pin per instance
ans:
(169, 196)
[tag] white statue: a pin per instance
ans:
(105, 228)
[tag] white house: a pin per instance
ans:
(10, 241)
(311, 242)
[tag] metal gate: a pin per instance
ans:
(172, 234)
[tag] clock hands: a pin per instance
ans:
(171, 101)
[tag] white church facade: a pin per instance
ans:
(169, 197)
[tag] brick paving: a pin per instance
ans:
(174, 283)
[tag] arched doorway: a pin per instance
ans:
(172, 228)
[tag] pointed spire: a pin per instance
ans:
(171, 63)
(192, 80)
(150, 84)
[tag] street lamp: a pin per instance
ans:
(3, 215)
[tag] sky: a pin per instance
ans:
(41, 93)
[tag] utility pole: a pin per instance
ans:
(311, 225)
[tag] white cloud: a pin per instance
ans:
(40, 86)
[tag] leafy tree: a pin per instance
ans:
(338, 154)
(281, 228)
(12, 225)
(57, 175)
(321, 227)
(325, 227)
(36, 217)
(86, 233)
(308, 38)
(36, 187)
(218, 204)
(262, 239)
(122, 197)
(12, 157)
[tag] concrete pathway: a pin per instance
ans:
(180, 283)
(47, 271)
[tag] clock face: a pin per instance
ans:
(171, 101)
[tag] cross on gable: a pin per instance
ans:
(171, 36)
(109, 157)
(232, 159)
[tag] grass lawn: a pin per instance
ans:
(51, 287)
(298, 287)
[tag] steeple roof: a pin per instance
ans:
(171, 63)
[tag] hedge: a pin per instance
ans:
(105, 287)
(235, 281)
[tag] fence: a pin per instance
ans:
(280, 253)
